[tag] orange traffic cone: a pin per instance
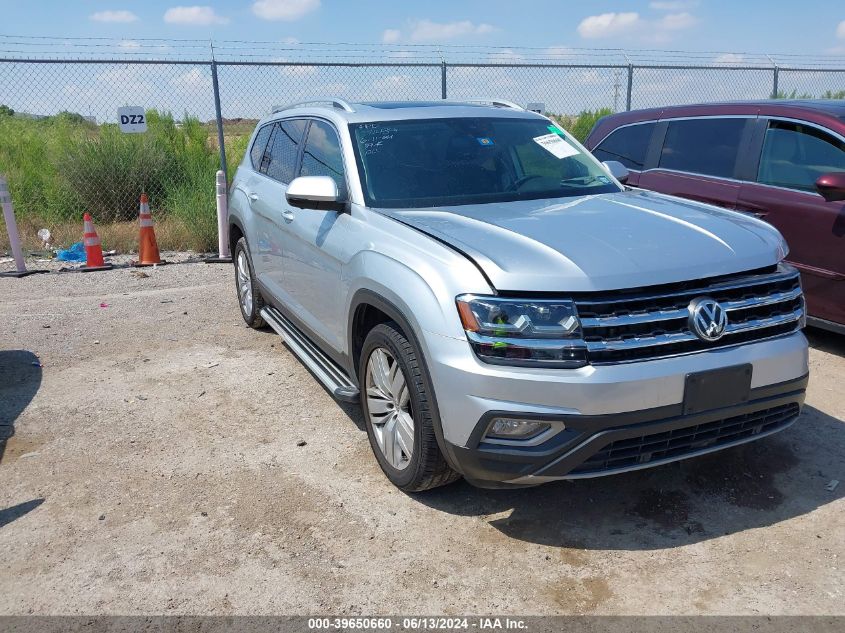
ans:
(148, 254)
(93, 249)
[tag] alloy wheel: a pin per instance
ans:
(244, 283)
(389, 407)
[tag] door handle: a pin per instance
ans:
(253, 197)
(288, 215)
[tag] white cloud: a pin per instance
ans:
(298, 71)
(193, 81)
(121, 75)
(676, 21)
(504, 56)
(391, 36)
(840, 30)
(129, 44)
(559, 52)
(193, 16)
(673, 5)
(285, 10)
(392, 83)
(428, 31)
(123, 17)
(728, 58)
(608, 24)
(631, 24)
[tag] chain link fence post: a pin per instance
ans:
(443, 79)
(221, 138)
(630, 87)
(775, 82)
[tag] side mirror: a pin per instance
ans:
(617, 170)
(313, 192)
(831, 186)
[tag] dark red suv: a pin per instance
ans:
(779, 160)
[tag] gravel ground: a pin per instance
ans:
(155, 468)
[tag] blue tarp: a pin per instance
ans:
(76, 253)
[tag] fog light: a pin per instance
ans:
(516, 429)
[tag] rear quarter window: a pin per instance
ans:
(259, 146)
(703, 146)
(627, 144)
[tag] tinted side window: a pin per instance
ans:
(703, 146)
(260, 146)
(323, 157)
(284, 149)
(795, 155)
(628, 145)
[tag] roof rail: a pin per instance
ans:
(501, 103)
(340, 104)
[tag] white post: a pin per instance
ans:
(222, 216)
(11, 225)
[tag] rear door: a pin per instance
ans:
(267, 201)
(258, 155)
(317, 243)
(699, 158)
(791, 156)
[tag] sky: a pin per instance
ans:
(765, 26)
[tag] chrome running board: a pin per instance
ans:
(328, 372)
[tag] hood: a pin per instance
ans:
(603, 242)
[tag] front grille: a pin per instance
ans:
(634, 451)
(650, 323)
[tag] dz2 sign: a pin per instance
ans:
(132, 119)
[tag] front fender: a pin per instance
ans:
(418, 290)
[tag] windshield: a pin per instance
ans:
(438, 162)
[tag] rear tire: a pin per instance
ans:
(398, 412)
(249, 296)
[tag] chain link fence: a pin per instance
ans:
(63, 153)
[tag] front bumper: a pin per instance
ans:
(612, 411)
(598, 445)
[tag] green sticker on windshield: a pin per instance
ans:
(554, 129)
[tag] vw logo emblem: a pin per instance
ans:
(707, 319)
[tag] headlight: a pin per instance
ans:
(535, 333)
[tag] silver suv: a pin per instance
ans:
(501, 305)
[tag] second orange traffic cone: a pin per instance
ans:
(147, 246)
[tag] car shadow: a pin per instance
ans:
(355, 414)
(826, 341)
(746, 487)
(20, 379)
(13, 513)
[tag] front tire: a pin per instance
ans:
(249, 296)
(398, 414)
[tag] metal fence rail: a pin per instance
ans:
(63, 155)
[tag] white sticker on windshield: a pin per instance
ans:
(556, 145)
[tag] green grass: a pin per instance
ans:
(581, 124)
(63, 166)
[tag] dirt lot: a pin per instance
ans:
(154, 468)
